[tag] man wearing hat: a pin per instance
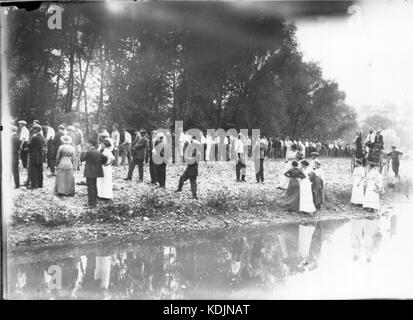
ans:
(15, 144)
(138, 153)
(24, 136)
(378, 140)
(49, 133)
(395, 161)
(36, 146)
(240, 167)
(77, 142)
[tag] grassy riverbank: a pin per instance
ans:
(140, 210)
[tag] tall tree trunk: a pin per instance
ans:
(69, 96)
(102, 73)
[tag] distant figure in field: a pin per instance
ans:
(395, 160)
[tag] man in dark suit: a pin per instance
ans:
(139, 150)
(15, 144)
(93, 170)
(36, 155)
(191, 171)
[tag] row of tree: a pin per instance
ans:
(150, 64)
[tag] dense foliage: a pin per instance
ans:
(210, 65)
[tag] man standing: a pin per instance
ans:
(369, 141)
(240, 159)
(395, 161)
(125, 142)
(139, 150)
(259, 155)
(158, 157)
(15, 144)
(36, 146)
(116, 139)
(24, 135)
(191, 171)
(93, 170)
(49, 134)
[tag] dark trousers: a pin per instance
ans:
(192, 180)
(24, 157)
(240, 168)
(160, 170)
(36, 175)
(260, 173)
(132, 165)
(15, 169)
(395, 163)
(92, 191)
(152, 171)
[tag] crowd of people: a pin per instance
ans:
(65, 149)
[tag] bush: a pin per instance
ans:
(218, 201)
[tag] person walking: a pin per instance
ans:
(93, 170)
(65, 160)
(395, 160)
(191, 171)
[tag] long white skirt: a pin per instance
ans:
(371, 197)
(306, 196)
(357, 193)
(104, 185)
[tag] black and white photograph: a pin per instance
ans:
(207, 150)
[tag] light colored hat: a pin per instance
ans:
(37, 127)
(66, 139)
(71, 128)
(22, 122)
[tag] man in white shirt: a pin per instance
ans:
(50, 133)
(116, 139)
(240, 168)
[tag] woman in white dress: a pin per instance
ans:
(357, 193)
(374, 186)
(306, 194)
(290, 157)
(104, 185)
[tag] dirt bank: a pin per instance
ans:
(140, 210)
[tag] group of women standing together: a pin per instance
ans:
(304, 182)
(65, 160)
(371, 178)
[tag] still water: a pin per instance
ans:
(359, 258)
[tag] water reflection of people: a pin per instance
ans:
(365, 237)
(305, 235)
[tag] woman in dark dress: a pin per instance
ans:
(292, 196)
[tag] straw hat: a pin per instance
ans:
(22, 122)
(66, 139)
